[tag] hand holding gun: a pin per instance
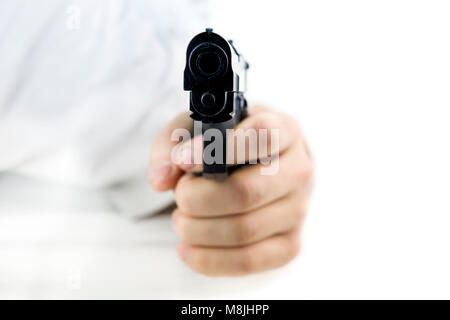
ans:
(250, 221)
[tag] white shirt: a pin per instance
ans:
(84, 87)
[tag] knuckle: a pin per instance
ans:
(304, 172)
(292, 126)
(202, 263)
(248, 262)
(244, 192)
(243, 230)
(308, 171)
(293, 123)
(207, 265)
(299, 211)
(248, 192)
(182, 228)
(293, 248)
(262, 120)
(183, 197)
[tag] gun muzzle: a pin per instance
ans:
(215, 75)
(208, 62)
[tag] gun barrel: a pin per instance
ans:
(215, 75)
(214, 70)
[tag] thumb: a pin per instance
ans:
(163, 174)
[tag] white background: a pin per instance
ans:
(369, 82)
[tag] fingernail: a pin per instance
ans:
(160, 173)
(185, 156)
(182, 251)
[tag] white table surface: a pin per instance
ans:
(62, 243)
(56, 242)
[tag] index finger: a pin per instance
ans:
(163, 173)
(253, 139)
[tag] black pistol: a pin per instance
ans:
(216, 76)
